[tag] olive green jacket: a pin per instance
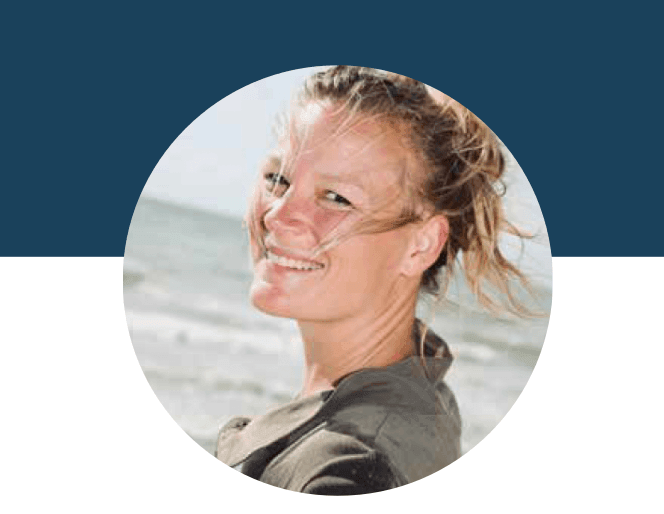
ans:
(380, 428)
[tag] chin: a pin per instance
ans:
(268, 303)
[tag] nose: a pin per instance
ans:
(290, 218)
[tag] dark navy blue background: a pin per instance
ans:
(94, 95)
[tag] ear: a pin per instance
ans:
(427, 241)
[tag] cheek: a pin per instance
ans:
(327, 221)
(380, 255)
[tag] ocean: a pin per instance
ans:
(209, 355)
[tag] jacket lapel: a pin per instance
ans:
(241, 437)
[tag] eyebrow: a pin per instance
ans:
(346, 177)
(273, 161)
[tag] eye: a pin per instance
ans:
(334, 197)
(276, 183)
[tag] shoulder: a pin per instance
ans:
(379, 400)
(369, 440)
(415, 425)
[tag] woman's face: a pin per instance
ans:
(332, 177)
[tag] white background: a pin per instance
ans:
(83, 431)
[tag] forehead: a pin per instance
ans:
(355, 148)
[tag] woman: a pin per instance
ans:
(374, 190)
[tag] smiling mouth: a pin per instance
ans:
(292, 263)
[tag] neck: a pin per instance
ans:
(334, 349)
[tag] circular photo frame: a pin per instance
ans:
(252, 248)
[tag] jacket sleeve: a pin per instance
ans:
(331, 463)
(349, 474)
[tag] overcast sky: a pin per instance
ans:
(214, 161)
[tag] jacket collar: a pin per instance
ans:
(436, 358)
(241, 437)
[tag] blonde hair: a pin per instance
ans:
(461, 163)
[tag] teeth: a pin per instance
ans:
(291, 263)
